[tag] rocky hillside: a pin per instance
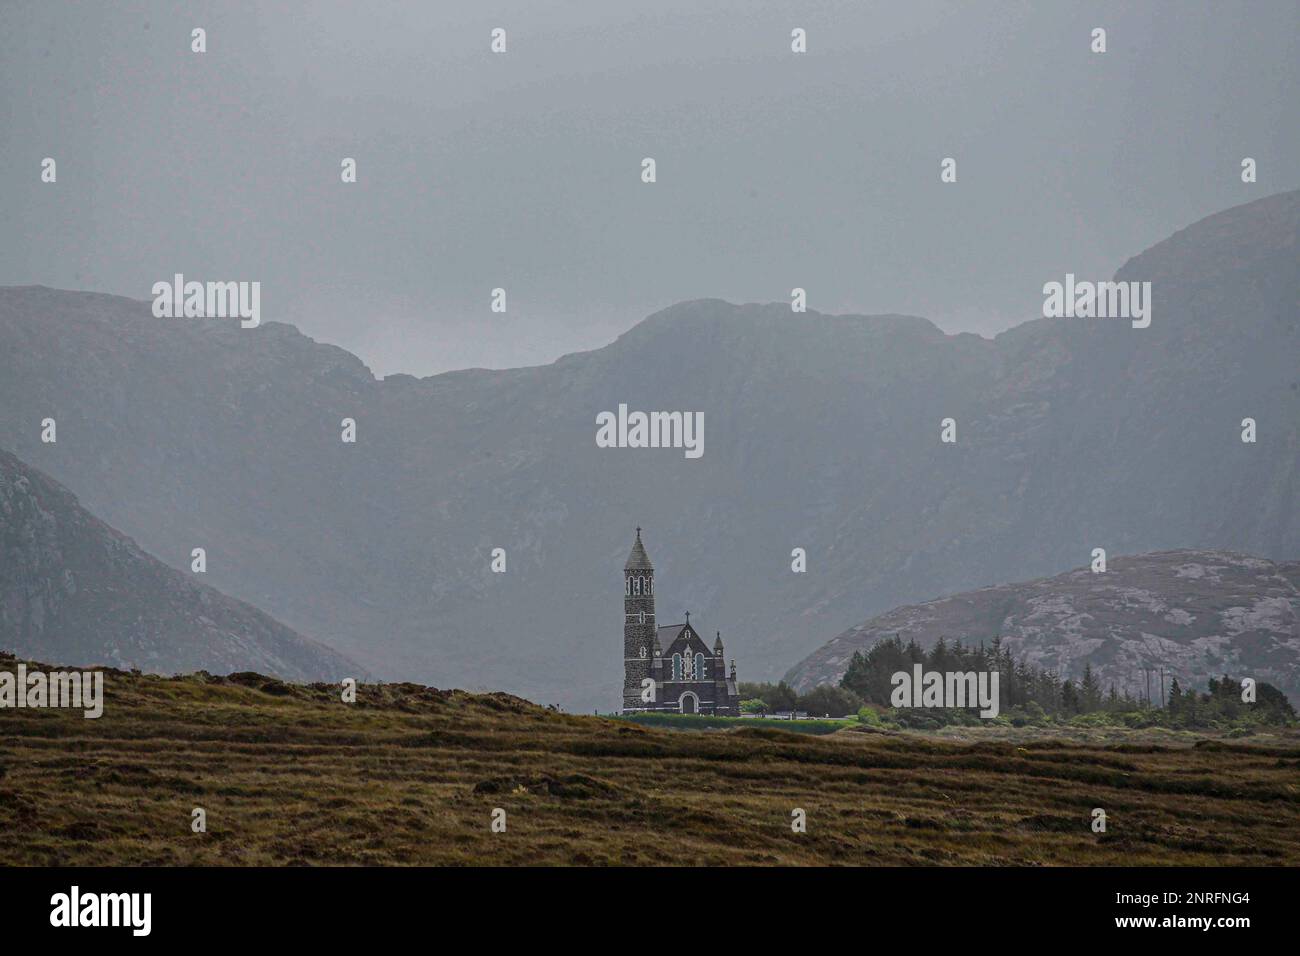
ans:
(74, 591)
(1197, 614)
(821, 432)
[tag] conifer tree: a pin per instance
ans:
(1175, 697)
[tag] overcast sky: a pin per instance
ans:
(522, 170)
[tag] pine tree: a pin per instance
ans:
(1090, 691)
(1069, 698)
(1175, 697)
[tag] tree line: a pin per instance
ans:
(1027, 694)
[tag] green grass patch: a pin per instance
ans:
(706, 722)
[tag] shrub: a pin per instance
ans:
(868, 716)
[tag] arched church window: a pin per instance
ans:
(636, 585)
(699, 667)
(649, 585)
(677, 667)
(627, 586)
(643, 653)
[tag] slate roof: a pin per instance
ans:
(667, 633)
(638, 560)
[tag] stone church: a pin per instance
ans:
(689, 678)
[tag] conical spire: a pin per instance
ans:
(638, 560)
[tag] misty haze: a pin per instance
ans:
(690, 434)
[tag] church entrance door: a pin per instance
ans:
(689, 703)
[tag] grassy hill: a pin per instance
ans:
(288, 774)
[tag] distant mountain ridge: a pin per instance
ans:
(820, 432)
(1196, 614)
(76, 592)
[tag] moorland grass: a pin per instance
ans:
(290, 774)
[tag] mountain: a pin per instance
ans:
(820, 432)
(1197, 614)
(74, 591)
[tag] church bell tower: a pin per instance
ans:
(638, 625)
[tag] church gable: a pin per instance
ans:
(685, 642)
(687, 659)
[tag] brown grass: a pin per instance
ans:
(410, 775)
